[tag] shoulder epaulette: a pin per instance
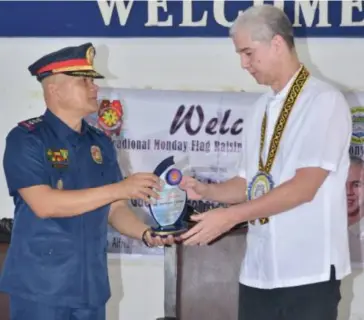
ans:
(31, 124)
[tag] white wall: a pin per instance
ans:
(182, 64)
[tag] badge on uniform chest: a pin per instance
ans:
(58, 158)
(96, 154)
(60, 184)
(67, 166)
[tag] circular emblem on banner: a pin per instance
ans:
(60, 184)
(261, 184)
(110, 117)
(174, 177)
(357, 138)
(96, 154)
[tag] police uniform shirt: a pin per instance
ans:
(58, 261)
(298, 247)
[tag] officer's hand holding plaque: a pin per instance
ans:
(169, 209)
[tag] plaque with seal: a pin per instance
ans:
(169, 210)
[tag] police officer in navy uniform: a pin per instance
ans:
(66, 184)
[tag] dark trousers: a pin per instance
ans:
(22, 309)
(318, 301)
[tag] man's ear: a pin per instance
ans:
(278, 43)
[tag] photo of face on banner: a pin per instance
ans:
(355, 203)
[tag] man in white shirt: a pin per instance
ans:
(293, 173)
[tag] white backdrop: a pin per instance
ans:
(204, 130)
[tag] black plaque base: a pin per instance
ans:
(167, 318)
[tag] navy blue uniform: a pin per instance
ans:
(58, 262)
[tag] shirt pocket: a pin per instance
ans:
(53, 266)
(102, 174)
(110, 171)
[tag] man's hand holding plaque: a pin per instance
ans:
(143, 186)
(209, 225)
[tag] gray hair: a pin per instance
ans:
(264, 22)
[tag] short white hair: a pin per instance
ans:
(263, 23)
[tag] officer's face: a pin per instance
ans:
(80, 94)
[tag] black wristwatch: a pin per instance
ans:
(143, 238)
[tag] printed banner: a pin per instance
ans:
(202, 131)
(355, 182)
(172, 18)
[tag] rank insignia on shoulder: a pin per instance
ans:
(31, 124)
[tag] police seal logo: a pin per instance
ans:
(96, 154)
(110, 117)
(261, 184)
